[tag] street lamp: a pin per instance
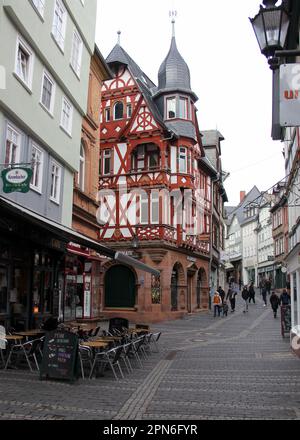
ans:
(270, 26)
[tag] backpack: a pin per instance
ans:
(216, 299)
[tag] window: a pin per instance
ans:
(55, 182)
(37, 168)
(39, 6)
(106, 161)
(182, 160)
(48, 92)
(107, 114)
(183, 108)
(144, 208)
(81, 172)
(76, 55)
(140, 157)
(66, 116)
(59, 23)
(128, 110)
(153, 159)
(118, 110)
(24, 62)
(154, 207)
(171, 108)
(12, 151)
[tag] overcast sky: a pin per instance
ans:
(228, 74)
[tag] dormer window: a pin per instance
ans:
(183, 108)
(171, 108)
(118, 110)
(177, 107)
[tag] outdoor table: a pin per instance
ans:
(30, 333)
(14, 337)
(108, 338)
(95, 344)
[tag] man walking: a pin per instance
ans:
(231, 296)
(217, 302)
(264, 295)
(245, 296)
(274, 301)
(251, 293)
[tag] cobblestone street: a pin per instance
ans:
(235, 367)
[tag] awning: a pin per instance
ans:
(69, 235)
(229, 266)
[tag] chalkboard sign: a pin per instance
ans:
(60, 355)
(285, 319)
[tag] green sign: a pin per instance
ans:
(16, 179)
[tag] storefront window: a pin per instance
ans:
(43, 283)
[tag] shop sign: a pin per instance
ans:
(16, 179)
(289, 110)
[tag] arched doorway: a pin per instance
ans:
(201, 284)
(119, 287)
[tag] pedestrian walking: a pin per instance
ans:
(285, 298)
(264, 295)
(251, 293)
(274, 301)
(221, 293)
(240, 284)
(231, 296)
(217, 303)
(245, 296)
(225, 308)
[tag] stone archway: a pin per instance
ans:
(177, 280)
(202, 287)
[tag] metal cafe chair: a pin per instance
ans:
(28, 349)
(3, 343)
(155, 339)
(110, 357)
(85, 357)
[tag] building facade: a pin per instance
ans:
(156, 190)
(45, 61)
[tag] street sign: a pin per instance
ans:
(289, 102)
(16, 179)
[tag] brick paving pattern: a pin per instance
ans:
(235, 367)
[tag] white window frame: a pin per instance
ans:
(52, 101)
(182, 159)
(55, 198)
(168, 100)
(60, 39)
(68, 129)
(114, 111)
(154, 201)
(128, 110)
(76, 63)
(27, 49)
(81, 171)
(107, 155)
(186, 106)
(144, 208)
(17, 145)
(39, 6)
(39, 185)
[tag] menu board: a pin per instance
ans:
(285, 319)
(60, 355)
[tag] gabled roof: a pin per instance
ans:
(253, 194)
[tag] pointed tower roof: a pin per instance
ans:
(174, 73)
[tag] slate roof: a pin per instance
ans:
(174, 72)
(211, 137)
(149, 89)
(253, 194)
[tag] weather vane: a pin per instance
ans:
(119, 37)
(173, 14)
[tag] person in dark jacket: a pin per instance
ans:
(285, 298)
(221, 293)
(251, 293)
(245, 296)
(231, 296)
(274, 301)
(264, 295)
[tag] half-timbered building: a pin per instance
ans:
(154, 190)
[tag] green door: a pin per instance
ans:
(119, 287)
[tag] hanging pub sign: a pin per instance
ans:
(289, 102)
(16, 179)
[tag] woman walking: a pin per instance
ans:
(251, 293)
(245, 296)
(275, 301)
(231, 296)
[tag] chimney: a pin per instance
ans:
(242, 195)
